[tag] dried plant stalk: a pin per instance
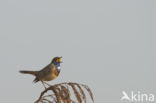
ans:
(61, 93)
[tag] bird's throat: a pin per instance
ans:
(57, 65)
(58, 69)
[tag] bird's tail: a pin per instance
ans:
(28, 72)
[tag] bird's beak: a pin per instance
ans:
(59, 60)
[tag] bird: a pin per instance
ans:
(48, 73)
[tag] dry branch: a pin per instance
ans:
(61, 93)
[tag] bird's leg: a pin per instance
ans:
(43, 84)
(47, 84)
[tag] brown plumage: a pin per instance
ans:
(28, 72)
(34, 73)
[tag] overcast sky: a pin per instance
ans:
(109, 45)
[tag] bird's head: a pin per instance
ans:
(56, 60)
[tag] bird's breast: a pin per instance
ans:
(55, 72)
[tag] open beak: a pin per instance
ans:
(59, 60)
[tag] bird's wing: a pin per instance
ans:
(45, 71)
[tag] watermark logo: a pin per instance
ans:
(137, 97)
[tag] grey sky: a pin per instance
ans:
(107, 44)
